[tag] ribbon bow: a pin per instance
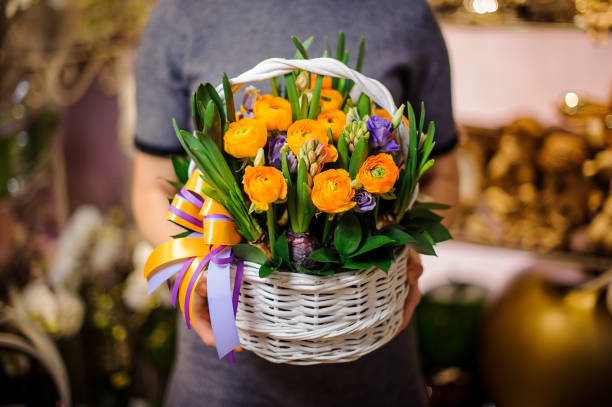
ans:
(208, 246)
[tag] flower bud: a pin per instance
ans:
(301, 82)
(352, 115)
(353, 132)
(397, 117)
(251, 94)
(259, 158)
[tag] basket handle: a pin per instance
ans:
(273, 67)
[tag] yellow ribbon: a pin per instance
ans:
(216, 232)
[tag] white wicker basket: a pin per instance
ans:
(304, 319)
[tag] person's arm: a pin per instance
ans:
(150, 193)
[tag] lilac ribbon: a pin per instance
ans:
(235, 296)
(192, 198)
(220, 303)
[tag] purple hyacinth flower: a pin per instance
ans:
(274, 155)
(365, 201)
(380, 132)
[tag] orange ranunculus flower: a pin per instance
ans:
(378, 173)
(330, 99)
(244, 137)
(385, 115)
(327, 81)
(335, 120)
(331, 154)
(304, 130)
(332, 191)
(275, 111)
(264, 185)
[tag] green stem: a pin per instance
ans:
(327, 228)
(375, 215)
(270, 215)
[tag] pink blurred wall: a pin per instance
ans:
(501, 72)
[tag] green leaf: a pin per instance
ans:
(292, 95)
(422, 213)
(181, 167)
(427, 165)
(423, 244)
(250, 253)
(383, 264)
(316, 95)
(324, 255)
(229, 99)
(357, 265)
(306, 44)
(321, 272)
(343, 152)
(285, 168)
(265, 270)
(348, 234)
(372, 243)
(339, 56)
(304, 107)
(182, 234)
(300, 47)
(306, 205)
(212, 124)
(399, 236)
(359, 156)
(175, 185)
(360, 55)
(212, 92)
(439, 232)
(431, 205)
(281, 249)
(342, 82)
(340, 50)
(363, 105)
(274, 86)
(200, 96)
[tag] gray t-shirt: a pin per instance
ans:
(188, 42)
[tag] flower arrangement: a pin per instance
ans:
(326, 172)
(304, 179)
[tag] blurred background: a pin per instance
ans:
(517, 309)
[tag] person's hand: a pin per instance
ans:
(414, 269)
(201, 317)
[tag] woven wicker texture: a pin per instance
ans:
(303, 319)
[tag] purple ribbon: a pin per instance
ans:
(192, 198)
(235, 296)
(220, 304)
(185, 216)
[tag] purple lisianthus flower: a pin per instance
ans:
(365, 201)
(274, 154)
(380, 132)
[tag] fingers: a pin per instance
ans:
(201, 316)
(201, 286)
(414, 268)
(412, 300)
